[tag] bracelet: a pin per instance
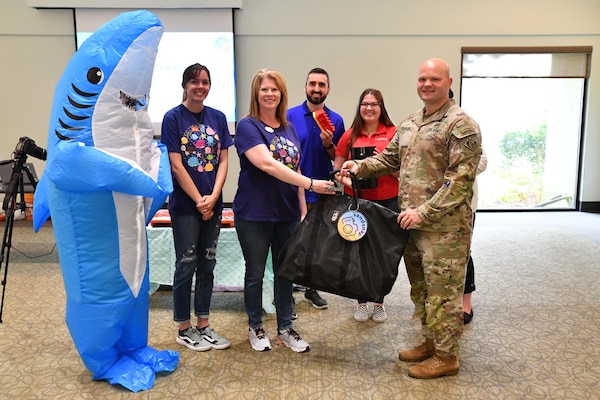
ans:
(310, 187)
(329, 147)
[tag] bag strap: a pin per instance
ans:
(356, 192)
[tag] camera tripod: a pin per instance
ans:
(14, 187)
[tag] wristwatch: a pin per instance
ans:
(329, 147)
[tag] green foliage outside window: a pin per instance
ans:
(528, 146)
(523, 165)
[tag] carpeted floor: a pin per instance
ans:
(535, 334)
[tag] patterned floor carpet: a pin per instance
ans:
(535, 334)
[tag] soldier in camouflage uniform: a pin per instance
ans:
(436, 151)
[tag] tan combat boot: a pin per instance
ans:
(419, 353)
(441, 364)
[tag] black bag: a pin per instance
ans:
(317, 256)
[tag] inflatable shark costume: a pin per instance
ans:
(105, 178)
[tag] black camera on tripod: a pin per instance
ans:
(25, 147)
(28, 146)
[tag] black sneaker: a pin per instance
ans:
(467, 318)
(312, 296)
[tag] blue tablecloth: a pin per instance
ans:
(229, 271)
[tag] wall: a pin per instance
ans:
(35, 47)
(362, 44)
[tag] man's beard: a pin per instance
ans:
(315, 102)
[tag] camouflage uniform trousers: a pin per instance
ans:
(436, 267)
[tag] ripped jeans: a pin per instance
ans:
(195, 250)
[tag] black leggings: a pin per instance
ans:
(470, 278)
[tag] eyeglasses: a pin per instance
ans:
(372, 105)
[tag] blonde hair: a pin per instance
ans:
(277, 77)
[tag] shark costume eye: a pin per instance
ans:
(95, 75)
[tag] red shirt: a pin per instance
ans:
(387, 186)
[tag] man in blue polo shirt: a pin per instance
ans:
(318, 146)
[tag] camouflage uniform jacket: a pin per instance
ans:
(437, 157)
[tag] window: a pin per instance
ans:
(191, 35)
(529, 103)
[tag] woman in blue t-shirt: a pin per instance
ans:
(269, 202)
(197, 138)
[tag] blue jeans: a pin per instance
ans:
(195, 250)
(256, 238)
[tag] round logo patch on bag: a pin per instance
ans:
(352, 225)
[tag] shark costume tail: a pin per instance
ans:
(105, 178)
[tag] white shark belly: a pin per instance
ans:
(132, 239)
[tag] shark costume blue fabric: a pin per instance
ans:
(105, 178)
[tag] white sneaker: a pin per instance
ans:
(193, 340)
(291, 339)
(258, 339)
(217, 341)
(361, 314)
(379, 314)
